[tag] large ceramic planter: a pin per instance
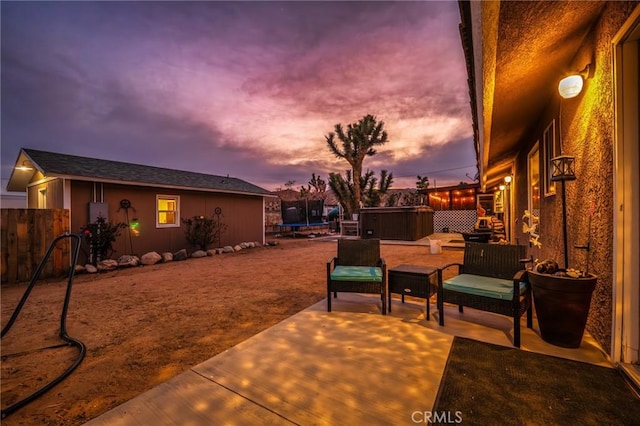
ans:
(562, 306)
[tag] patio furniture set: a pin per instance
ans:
(491, 278)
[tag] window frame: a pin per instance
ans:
(550, 149)
(175, 198)
(42, 198)
(534, 152)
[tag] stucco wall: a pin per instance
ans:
(590, 130)
(587, 125)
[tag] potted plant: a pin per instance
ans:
(562, 297)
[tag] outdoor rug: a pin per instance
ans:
(486, 384)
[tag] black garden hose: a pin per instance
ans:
(63, 322)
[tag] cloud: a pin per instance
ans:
(245, 88)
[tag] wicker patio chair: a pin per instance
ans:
(492, 279)
(358, 268)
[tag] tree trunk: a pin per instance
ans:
(357, 193)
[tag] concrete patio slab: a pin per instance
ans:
(349, 366)
(189, 399)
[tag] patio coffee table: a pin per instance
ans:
(412, 280)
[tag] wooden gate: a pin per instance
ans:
(26, 235)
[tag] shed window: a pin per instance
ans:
(168, 211)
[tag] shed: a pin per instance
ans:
(155, 199)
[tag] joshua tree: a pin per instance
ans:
(372, 196)
(344, 189)
(358, 142)
(316, 189)
(422, 184)
(318, 184)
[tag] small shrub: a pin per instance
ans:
(100, 237)
(203, 231)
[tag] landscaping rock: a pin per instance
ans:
(198, 253)
(167, 256)
(251, 245)
(107, 265)
(79, 269)
(237, 248)
(219, 250)
(150, 258)
(180, 255)
(128, 260)
(227, 249)
(272, 243)
(90, 268)
(211, 252)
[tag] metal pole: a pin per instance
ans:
(564, 227)
(508, 224)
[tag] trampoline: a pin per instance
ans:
(300, 214)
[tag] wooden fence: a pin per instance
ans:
(26, 235)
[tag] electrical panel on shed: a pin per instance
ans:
(97, 210)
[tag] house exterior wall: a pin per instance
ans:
(241, 213)
(587, 126)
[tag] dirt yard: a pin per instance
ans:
(144, 325)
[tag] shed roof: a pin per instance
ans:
(52, 164)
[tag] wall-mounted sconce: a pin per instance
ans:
(562, 168)
(24, 167)
(571, 86)
(508, 179)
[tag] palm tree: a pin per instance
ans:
(357, 143)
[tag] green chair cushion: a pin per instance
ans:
(357, 273)
(482, 286)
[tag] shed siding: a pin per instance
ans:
(242, 214)
(55, 192)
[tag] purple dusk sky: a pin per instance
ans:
(248, 89)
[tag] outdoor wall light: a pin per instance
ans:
(24, 167)
(571, 86)
(501, 187)
(508, 179)
(563, 168)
